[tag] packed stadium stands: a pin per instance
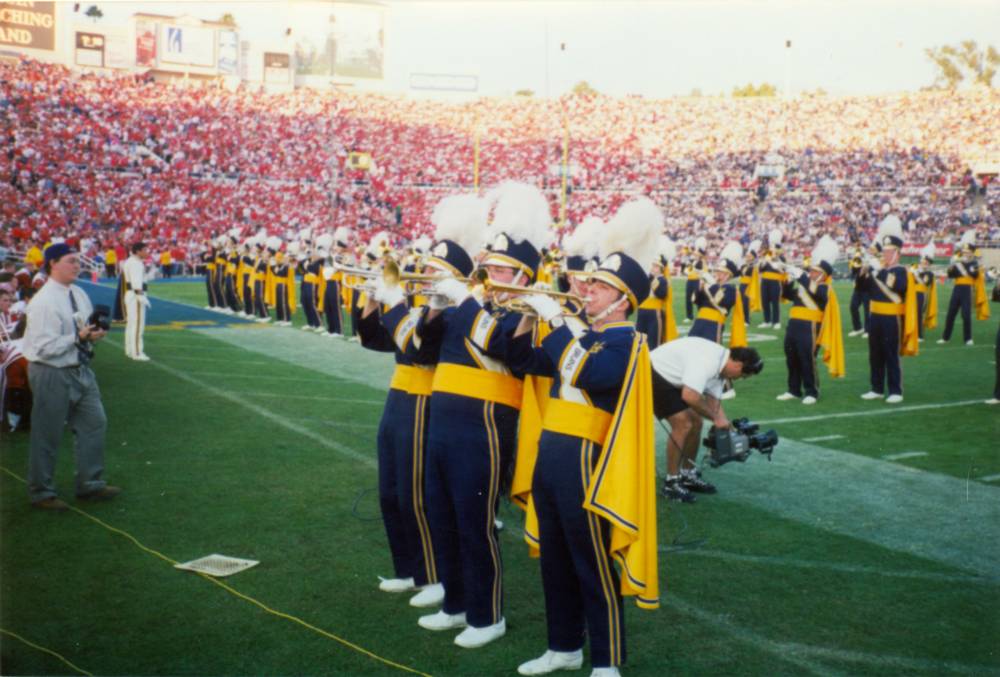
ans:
(121, 158)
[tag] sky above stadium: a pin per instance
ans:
(655, 49)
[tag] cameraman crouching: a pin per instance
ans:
(689, 376)
(57, 343)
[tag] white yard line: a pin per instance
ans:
(824, 438)
(878, 409)
(902, 455)
(989, 478)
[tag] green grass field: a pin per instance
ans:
(868, 546)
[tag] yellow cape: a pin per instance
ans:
(623, 487)
(831, 335)
(931, 306)
(981, 300)
(753, 291)
(738, 324)
(908, 345)
(669, 323)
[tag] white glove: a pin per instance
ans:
(437, 302)
(794, 271)
(390, 296)
(452, 289)
(546, 307)
(874, 263)
(144, 300)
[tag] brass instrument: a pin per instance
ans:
(571, 303)
(411, 283)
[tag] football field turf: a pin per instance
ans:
(870, 545)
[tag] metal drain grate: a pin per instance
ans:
(217, 565)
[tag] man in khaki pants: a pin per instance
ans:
(136, 302)
(57, 343)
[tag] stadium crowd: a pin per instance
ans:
(110, 160)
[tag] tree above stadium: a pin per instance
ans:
(964, 61)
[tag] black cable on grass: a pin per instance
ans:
(677, 545)
(357, 502)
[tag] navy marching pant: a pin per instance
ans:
(650, 323)
(471, 445)
(581, 585)
(690, 289)
(746, 303)
(402, 437)
(281, 309)
(996, 353)
(921, 299)
(213, 301)
(800, 357)
(961, 299)
(859, 299)
(260, 308)
(232, 300)
(331, 307)
(770, 299)
(308, 299)
(884, 336)
(247, 295)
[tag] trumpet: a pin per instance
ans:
(571, 303)
(411, 283)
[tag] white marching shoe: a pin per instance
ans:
(396, 584)
(894, 399)
(473, 638)
(605, 672)
(429, 595)
(442, 621)
(941, 341)
(872, 395)
(776, 325)
(856, 332)
(143, 357)
(764, 325)
(992, 400)
(784, 397)
(728, 395)
(969, 342)
(550, 661)
(808, 399)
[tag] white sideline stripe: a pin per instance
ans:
(824, 438)
(905, 454)
(190, 358)
(264, 377)
(990, 478)
(804, 654)
(890, 505)
(269, 415)
(832, 566)
(877, 411)
(317, 398)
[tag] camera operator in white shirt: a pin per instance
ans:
(689, 377)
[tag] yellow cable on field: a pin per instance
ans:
(236, 593)
(48, 651)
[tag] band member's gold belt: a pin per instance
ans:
(964, 280)
(808, 314)
(479, 384)
(779, 277)
(576, 420)
(883, 308)
(711, 314)
(412, 380)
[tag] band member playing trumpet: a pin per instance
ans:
(593, 489)
(309, 291)
(655, 315)
(474, 414)
(926, 285)
(694, 266)
(969, 289)
(771, 279)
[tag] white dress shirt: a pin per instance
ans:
(693, 362)
(134, 272)
(51, 332)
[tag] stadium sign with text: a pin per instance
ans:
(30, 25)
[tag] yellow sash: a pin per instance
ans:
(412, 380)
(931, 307)
(478, 384)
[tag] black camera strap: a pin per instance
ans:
(83, 351)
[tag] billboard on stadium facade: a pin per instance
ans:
(228, 53)
(145, 44)
(277, 68)
(339, 39)
(187, 45)
(28, 25)
(89, 50)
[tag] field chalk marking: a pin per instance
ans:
(823, 438)
(905, 454)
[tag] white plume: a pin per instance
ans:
(635, 231)
(521, 212)
(343, 234)
(305, 234)
(668, 248)
(274, 243)
(324, 241)
(754, 246)
(585, 241)
(968, 239)
(461, 219)
(929, 251)
(422, 244)
(890, 226)
(701, 244)
(378, 243)
(827, 250)
(234, 232)
(294, 249)
(774, 237)
(733, 251)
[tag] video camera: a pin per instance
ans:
(736, 443)
(100, 318)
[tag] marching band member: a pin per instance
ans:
(750, 281)
(693, 268)
(281, 282)
(474, 417)
(594, 489)
(859, 296)
(421, 248)
(581, 249)
(219, 279)
(309, 290)
(893, 323)
(970, 285)
(329, 307)
(136, 302)
(771, 279)
(813, 321)
(655, 317)
(207, 258)
(261, 266)
(926, 286)
(245, 272)
(718, 298)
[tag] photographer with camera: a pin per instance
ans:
(689, 376)
(61, 329)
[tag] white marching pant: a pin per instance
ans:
(135, 324)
